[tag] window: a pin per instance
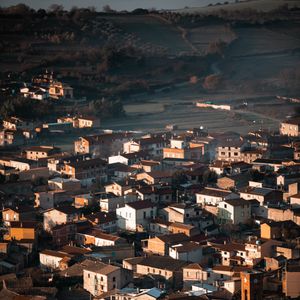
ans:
(89, 275)
(114, 279)
(145, 215)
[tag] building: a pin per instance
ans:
(87, 171)
(213, 196)
(234, 211)
(98, 238)
(251, 285)
(99, 278)
(290, 127)
(103, 145)
(153, 145)
(59, 90)
(160, 245)
(60, 215)
(18, 213)
(38, 152)
(261, 194)
(136, 215)
(166, 267)
(230, 151)
(290, 281)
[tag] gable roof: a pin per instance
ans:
(141, 204)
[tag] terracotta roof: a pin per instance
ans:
(102, 217)
(87, 163)
(173, 238)
(55, 253)
(142, 204)
(101, 235)
(68, 210)
(101, 268)
(194, 266)
(23, 224)
(237, 202)
(163, 262)
(215, 192)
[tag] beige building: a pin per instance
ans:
(38, 152)
(60, 215)
(230, 151)
(290, 281)
(290, 127)
(100, 278)
(60, 90)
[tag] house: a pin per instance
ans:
(103, 145)
(155, 194)
(18, 213)
(20, 231)
(98, 238)
(180, 212)
(156, 177)
(10, 137)
(213, 196)
(257, 249)
(153, 145)
(118, 189)
(136, 215)
(261, 194)
(14, 124)
(60, 215)
(187, 251)
(139, 294)
(87, 171)
(63, 234)
(86, 122)
(187, 229)
(234, 211)
(49, 199)
(278, 230)
(38, 152)
(34, 92)
(105, 221)
(99, 278)
(230, 150)
(166, 268)
(290, 281)
(158, 226)
(196, 153)
(66, 184)
(290, 127)
(59, 90)
(250, 155)
(161, 244)
(50, 259)
(121, 171)
(148, 165)
(109, 202)
(83, 200)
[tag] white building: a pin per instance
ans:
(213, 196)
(187, 251)
(136, 215)
(234, 211)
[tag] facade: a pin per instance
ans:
(99, 278)
(60, 215)
(87, 171)
(234, 211)
(136, 215)
(38, 152)
(59, 90)
(290, 127)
